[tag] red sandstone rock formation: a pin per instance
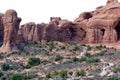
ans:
(50, 32)
(32, 32)
(103, 24)
(99, 26)
(11, 26)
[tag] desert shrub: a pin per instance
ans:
(117, 69)
(5, 67)
(30, 75)
(70, 73)
(82, 59)
(64, 79)
(68, 61)
(89, 48)
(76, 48)
(63, 73)
(58, 57)
(101, 53)
(55, 73)
(111, 53)
(63, 48)
(92, 60)
(113, 78)
(33, 61)
(80, 73)
(48, 75)
(17, 77)
(87, 54)
(75, 59)
(99, 47)
(83, 45)
(51, 45)
(26, 67)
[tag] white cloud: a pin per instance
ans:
(41, 10)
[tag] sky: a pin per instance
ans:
(39, 11)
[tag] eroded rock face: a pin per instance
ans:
(103, 24)
(64, 33)
(32, 32)
(11, 26)
(83, 16)
(50, 32)
(99, 26)
(1, 28)
(27, 30)
(112, 1)
(39, 32)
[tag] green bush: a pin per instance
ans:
(31, 75)
(92, 60)
(64, 79)
(58, 57)
(76, 48)
(63, 48)
(33, 61)
(26, 67)
(55, 73)
(89, 48)
(101, 53)
(87, 54)
(82, 45)
(113, 78)
(82, 59)
(75, 59)
(80, 73)
(111, 53)
(5, 67)
(117, 69)
(70, 73)
(17, 77)
(99, 47)
(51, 45)
(63, 73)
(48, 75)
(68, 61)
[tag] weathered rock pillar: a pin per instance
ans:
(11, 26)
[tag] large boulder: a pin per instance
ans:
(11, 25)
